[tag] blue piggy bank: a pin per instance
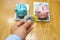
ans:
(21, 10)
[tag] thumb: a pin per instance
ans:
(27, 24)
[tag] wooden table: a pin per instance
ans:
(41, 30)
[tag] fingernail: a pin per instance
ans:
(29, 21)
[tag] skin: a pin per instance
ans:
(22, 29)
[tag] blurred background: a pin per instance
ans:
(41, 30)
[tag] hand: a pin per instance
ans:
(22, 29)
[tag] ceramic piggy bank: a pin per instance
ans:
(42, 11)
(21, 10)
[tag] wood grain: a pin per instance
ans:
(41, 31)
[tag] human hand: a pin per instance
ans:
(22, 29)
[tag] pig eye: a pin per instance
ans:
(38, 12)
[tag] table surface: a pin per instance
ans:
(41, 30)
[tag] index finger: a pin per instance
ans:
(19, 23)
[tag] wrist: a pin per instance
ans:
(13, 37)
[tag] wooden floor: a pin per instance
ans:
(41, 31)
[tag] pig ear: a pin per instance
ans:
(46, 9)
(37, 10)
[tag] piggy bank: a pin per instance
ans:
(21, 10)
(42, 11)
